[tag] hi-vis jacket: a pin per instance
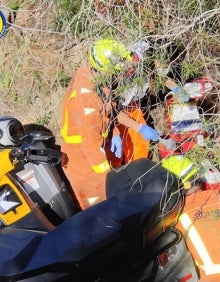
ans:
(84, 119)
(84, 128)
(200, 223)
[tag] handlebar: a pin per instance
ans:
(33, 149)
(33, 136)
(49, 156)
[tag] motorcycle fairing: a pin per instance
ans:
(7, 165)
(44, 186)
(8, 199)
(78, 237)
(20, 208)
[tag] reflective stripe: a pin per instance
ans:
(92, 200)
(94, 57)
(101, 168)
(72, 95)
(186, 173)
(70, 139)
(88, 111)
(208, 266)
(85, 91)
(105, 134)
(74, 139)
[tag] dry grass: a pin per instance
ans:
(33, 59)
(36, 54)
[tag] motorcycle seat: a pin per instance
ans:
(77, 237)
(89, 230)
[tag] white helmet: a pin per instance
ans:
(11, 131)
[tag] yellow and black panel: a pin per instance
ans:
(13, 206)
(6, 164)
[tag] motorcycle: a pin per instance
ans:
(130, 236)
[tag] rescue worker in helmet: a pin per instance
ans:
(90, 124)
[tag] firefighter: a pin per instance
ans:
(90, 122)
(199, 223)
(200, 218)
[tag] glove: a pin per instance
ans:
(180, 94)
(116, 146)
(148, 133)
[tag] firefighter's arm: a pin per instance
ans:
(124, 119)
(147, 132)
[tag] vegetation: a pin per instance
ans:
(47, 40)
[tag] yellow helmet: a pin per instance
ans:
(181, 166)
(109, 56)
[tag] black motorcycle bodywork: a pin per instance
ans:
(120, 239)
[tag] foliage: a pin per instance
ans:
(13, 4)
(71, 14)
(189, 71)
(51, 38)
(63, 79)
(44, 120)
